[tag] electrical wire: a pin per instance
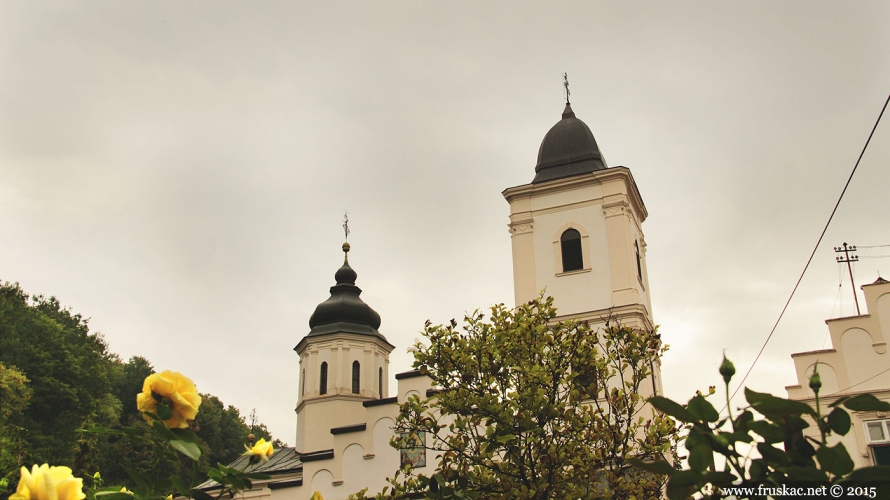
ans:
(860, 383)
(819, 241)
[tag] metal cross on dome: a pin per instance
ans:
(346, 224)
(565, 79)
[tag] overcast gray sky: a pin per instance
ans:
(178, 171)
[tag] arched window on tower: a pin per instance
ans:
(639, 265)
(356, 376)
(303, 383)
(572, 259)
(380, 382)
(323, 384)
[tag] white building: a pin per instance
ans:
(577, 233)
(857, 363)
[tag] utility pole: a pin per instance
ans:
(849, 258)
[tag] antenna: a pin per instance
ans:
(847, 258)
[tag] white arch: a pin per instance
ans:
(322, 483)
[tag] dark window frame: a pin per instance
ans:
(571, 250)
(323, 379)
(356, 377)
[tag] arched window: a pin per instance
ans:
(356, 376)
(323, 384)
(380, 382)
(303, 382)
(639, 266)
(572, 259)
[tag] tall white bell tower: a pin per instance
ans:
(577, 232)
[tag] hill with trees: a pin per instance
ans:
(56, 376)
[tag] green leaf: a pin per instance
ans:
(139, 478)
(719, 478)
(215, 474)
(200, 495)
(162, 429)
(838, 401)
(769, 432)
(798, 473)
(757, 470)
(506, 438)
(683, 484)
(672, 409)
(835, 459)
(657, 467)
(700, 457)
(702, 410)
(179, 484)
(185, 435)
(164, 412)
(773, 455)
(770, 405)
(839, 421)
(190, 450)
(875, 473)
(866, 402)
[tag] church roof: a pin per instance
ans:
(568, 149)
(282, 461)
(344, 311)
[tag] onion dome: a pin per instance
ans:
(344, 311)
(568, 149)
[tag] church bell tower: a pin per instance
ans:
(577, 231)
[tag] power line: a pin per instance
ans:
(830, 217)
(860, 383)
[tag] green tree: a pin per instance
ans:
(66, 364)
(15, 395)
(528, 407)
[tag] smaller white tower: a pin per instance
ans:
(344, 361)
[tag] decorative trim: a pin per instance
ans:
(349, 428)
(285, 484)
(380, 402)
(314, 456)
(410, 374)
(600, 177)
(577, 271)
(619, 208)
(521, 227)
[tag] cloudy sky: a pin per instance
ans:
(178, 171)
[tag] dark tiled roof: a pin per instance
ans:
(283, 461)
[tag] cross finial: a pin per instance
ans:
(565, 83)
(346, 224)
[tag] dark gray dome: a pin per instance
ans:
(568, 149)
(345, 311)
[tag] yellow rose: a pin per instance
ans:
(48, 483)
(316, 496)
(178, 391)
(261, 450)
